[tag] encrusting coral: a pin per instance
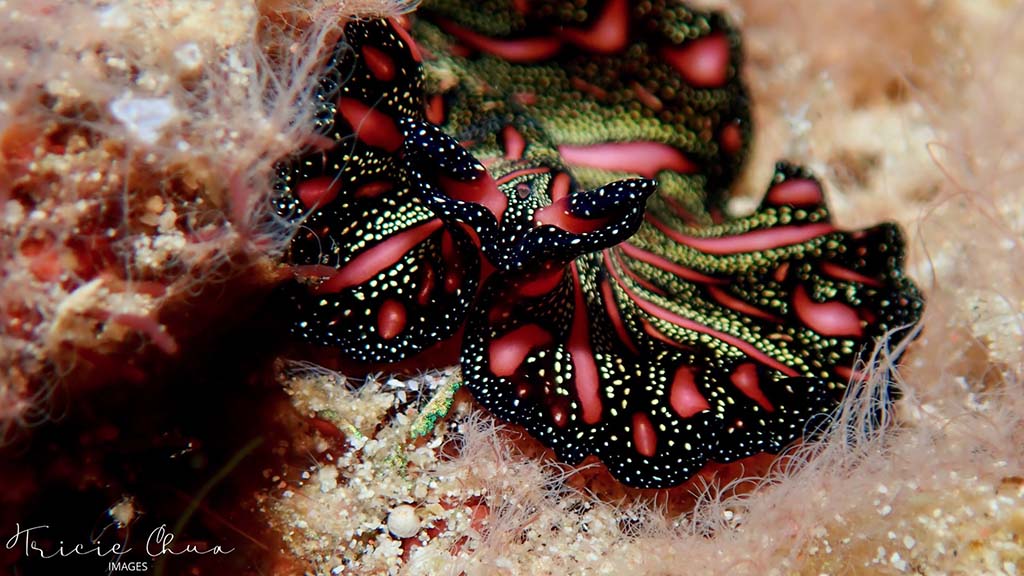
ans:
(136, 158)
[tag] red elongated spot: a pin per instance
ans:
(513, 143)
(560, 186)
(645, 439)
(379, 257)
(612, 309)
(685, 399)
(318, 141)
(643, 158)
(731, 138)
(390, 319)
(673, 318)
(608, 35)
(677, 209)
(730, 301)
(524, 98)
(508, 351)
(645, 97)
(800, 192)
(512, 175)
(587, 88)
(373, 189)
(868, 315)
(453, 276)
(435, 109)
(380, 64)
(482, 190)
(500, 312)
(703, 63)
(521, 6)
(373, 127)
(643, 282)
(849, 374)
(403, 32)
(519, 51)
(828, 318)
(541, 283)
(667, 265)
(840, 273)
(426, 285)
(585, 378)
(745, 378)
(780, 273)
(557, 215)
(661, 336)
(318, 191)
(755, 241)
(559, 414)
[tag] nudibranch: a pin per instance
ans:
(547, 179)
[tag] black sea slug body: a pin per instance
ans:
(552, 178)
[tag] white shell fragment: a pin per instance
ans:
(403, 522)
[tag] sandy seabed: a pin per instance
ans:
(135, 157)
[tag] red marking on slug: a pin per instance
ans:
(521, 172)
(403, 32)
(849, 374)
(684, 397)
(780, 273)
(585, 377)
(521, 6)
(671, 317)
(582, 85)
(731, 138)
(746, 380)
(801, 192)
(839, 273)
(745, 308)
(426, 285)
(380, 64)
(659, 335)
(453, 275)
(481, 190)
(559, 413)
(373, 189)
(643, 158)
(541, 283)
(557, 215)
(318, 192)
(756, 241)
(508, 351)
(677, 209)
(645, 97)
(645, 439)
(827, 319)
(435, 109)
(608, 35)
(608, 297)
(377, 258)
(633, 275)
(517, 51)
(390, 319)
(703, 63)
(524, 98)
(513, 143)
(667, 265)
(373, 127)
(560, 185)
